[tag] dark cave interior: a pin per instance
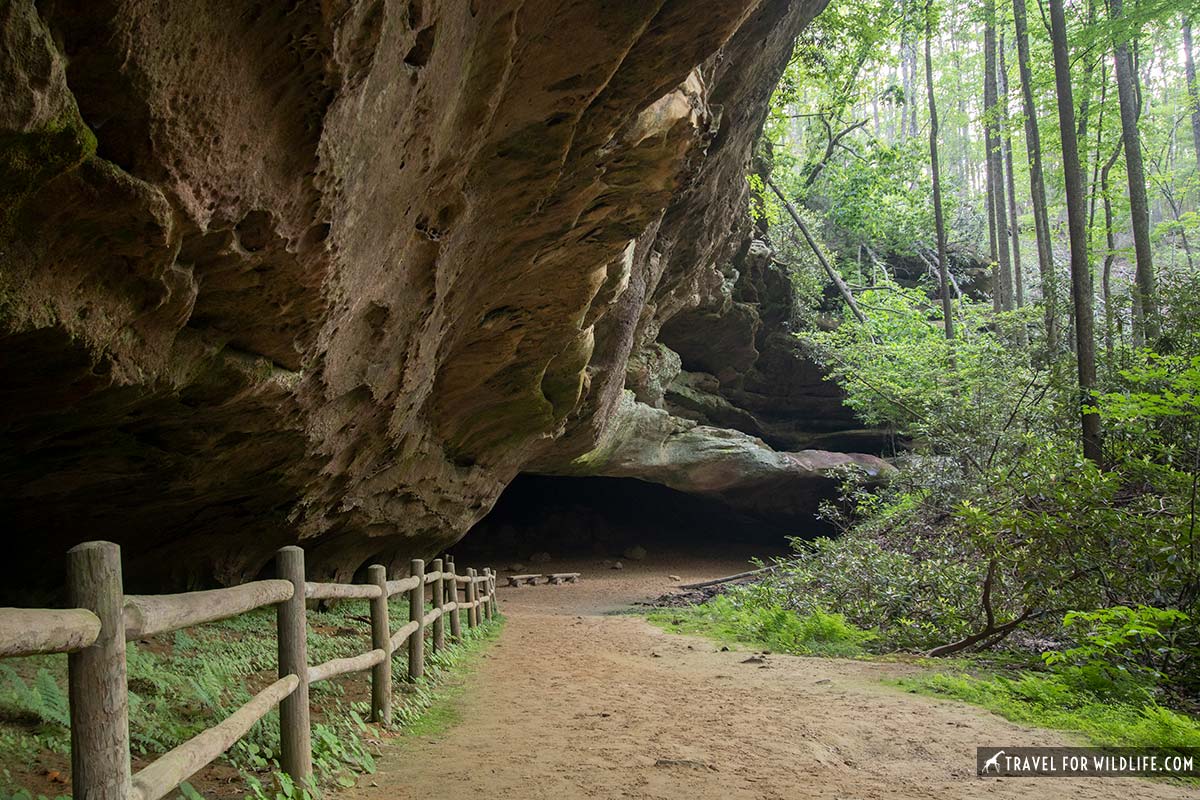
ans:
(586, 517)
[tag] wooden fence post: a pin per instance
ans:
(487, 592)
(472, 595)
(295, 734)
(416, 613)
(439, 600)
(492, 607)
(452, 591)
(381, 639)
(495, 600)
(478, 598)
(98, 689)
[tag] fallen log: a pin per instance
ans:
(729, 578)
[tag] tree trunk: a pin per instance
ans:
(1037, 185)
(1081, 279)
(1110, 255)
(1139, 208)
(1018, 285)
(842, 288)
(995, 161)
(1189, 65)
(1096, 164)
(935, 168)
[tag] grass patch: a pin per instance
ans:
(1049, 701)
(431, 708)
(182, 683)
(771, 627)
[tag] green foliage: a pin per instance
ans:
(747, 615)
(1051, 701)
(184, 683)
(881, 196)
(43, 700)
(1117, 650)
(969, 399)
(995, 464)
(997, 531)
(909, 601)
(996, 523)
(24, 794)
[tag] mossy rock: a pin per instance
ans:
(30, 159)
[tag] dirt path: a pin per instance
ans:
(574, 703)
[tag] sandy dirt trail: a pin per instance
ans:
(575, 701)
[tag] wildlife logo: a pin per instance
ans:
(1097, 762)
(993, 762)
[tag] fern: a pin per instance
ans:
(45, 700)
(53, 706)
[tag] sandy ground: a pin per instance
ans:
(577, 702)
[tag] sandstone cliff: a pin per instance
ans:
(336, 272)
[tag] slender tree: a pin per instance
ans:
(1081, 278)
(1018, 284)
(1139, 208)
(1189, 65)
(995, 161)
(1037, 185)
(938, 217)
(1110, 254)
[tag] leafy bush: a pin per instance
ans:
(1117, 650)
(910, 601)
(996, 523)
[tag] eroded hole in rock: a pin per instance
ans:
(602, 518)
(419, 55)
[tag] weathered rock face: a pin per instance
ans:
(335, 273)
(747, 475)
(742, 368)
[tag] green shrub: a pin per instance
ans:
(1116, 651)
(910, 601)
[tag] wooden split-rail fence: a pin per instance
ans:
(104, 618)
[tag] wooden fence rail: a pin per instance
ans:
(94, 632)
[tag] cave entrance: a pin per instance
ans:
(577, 518)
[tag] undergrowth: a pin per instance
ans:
(1050, 701)
(183, 683)
(728, 619)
